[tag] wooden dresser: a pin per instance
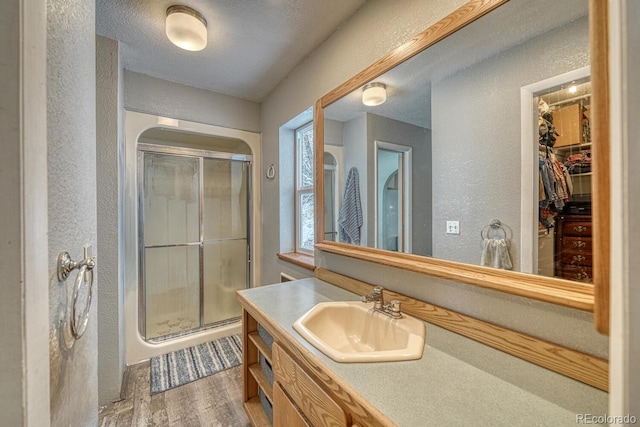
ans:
(573, 248)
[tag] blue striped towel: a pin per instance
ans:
(350, 218)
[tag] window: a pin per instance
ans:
(304, 189)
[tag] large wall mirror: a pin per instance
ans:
(468, 153)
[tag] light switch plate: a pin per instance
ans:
(453, 227)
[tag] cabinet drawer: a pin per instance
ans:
(576, 258)
(314, 403)
(582, 274)
(577, 243)
(577, 228)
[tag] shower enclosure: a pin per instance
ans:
(194, 234)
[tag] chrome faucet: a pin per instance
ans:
(392, 309)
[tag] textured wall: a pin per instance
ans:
(151, 95)
(476, 134)
(108, 154)
(375, 29)
(71, 87)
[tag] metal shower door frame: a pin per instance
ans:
(144, 148)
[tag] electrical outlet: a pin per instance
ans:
(453, 227)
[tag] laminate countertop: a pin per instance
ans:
(456, 382)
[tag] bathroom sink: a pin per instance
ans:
(351, 331)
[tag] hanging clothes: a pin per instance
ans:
(561, 185)
(350, 218)
(568, 179)
(556, 184)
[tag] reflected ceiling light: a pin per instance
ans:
(573, 89)
(186, 28)
(374, 94)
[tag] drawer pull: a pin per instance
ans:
(579, 244)
(579, 229)
(578, 258)
(581, 275)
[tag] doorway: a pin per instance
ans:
(556, 207)
(393, 197)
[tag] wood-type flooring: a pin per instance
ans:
(209, 402)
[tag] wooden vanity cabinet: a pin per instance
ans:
(305, 394)
(256, 381)
(286, 413)
(295, 398)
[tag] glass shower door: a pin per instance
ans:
(170, 257)
(225, 238)
(194, 242)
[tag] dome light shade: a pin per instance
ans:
(186, 28)
(374, 94)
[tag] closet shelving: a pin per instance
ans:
(569, 116)
(581, 181)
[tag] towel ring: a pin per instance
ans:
(84, 267)
(271, 171)
(78, 328)
(494, 225)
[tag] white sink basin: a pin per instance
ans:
(350, 331)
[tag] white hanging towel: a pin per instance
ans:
(495, 253)
(350, 218)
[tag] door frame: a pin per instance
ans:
(200, 156)
(406, 153)
(529, 162)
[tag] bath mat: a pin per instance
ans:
(184, 366)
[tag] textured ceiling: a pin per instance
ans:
(409, 84)
(252, 44)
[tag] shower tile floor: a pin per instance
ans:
(171, 326)
(170, 313)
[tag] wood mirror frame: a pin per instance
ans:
(557, 291)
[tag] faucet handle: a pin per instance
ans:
(394, 308)
(377, 290)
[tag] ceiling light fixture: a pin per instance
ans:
(186, 28)
(374, 94)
